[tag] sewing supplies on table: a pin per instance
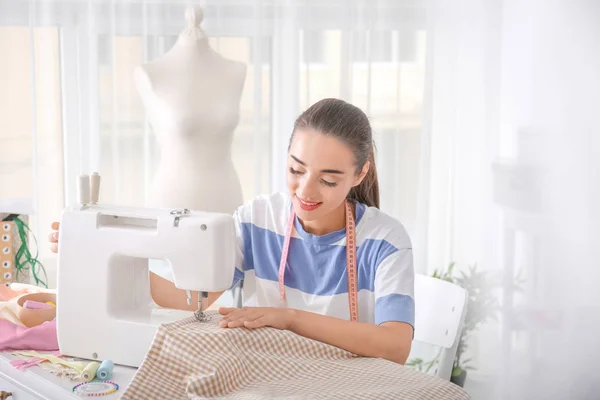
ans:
(57, 364)
(89, 372)
(105, 309)
(105, 370)
(96, 388)
(32, 360)
(350, 261)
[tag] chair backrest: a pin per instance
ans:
(440, 309)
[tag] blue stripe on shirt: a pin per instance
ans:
(316, 269)
(395, 307)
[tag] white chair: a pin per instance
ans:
(440, 309)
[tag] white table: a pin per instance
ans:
(36, 384)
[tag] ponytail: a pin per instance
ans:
(367, 192)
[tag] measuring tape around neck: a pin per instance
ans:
(350, 261)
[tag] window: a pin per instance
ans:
(263, 48)
(407, 45)
(381, 46)
(312, 48)
(374, 46)
(31, 126)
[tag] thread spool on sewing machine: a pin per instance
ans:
(103, 271)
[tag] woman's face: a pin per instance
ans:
(321, 172)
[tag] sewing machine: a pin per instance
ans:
(104, 306)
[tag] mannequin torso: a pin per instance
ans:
(192, 97)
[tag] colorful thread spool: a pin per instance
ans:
(96, 388)
(89, 372)
(105, 370)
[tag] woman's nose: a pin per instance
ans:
(308, 188)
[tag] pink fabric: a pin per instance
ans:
(30, 362)
(36, 305)
(42, 337)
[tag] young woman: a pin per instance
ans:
(322, 260)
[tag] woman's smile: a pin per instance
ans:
(308, 205)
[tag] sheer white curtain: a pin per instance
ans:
(459, 221)
(549, 103)
(510, 182)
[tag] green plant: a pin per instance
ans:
(422, 365)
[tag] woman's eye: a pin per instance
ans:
(323, 181)
(330, 184)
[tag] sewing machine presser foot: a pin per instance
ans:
(201, 316)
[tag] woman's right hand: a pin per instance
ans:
(53, 237)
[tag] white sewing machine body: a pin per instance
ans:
(104, 306)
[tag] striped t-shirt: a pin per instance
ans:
(316, 279)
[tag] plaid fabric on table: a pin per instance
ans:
(199, 360)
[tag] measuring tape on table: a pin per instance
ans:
(350, 261)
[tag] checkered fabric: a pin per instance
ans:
(200, 360)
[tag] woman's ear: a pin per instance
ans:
(362, 174)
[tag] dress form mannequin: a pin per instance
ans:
(191, 95)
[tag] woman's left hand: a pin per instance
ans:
(256, 317)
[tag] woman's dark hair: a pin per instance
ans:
(348, 123)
